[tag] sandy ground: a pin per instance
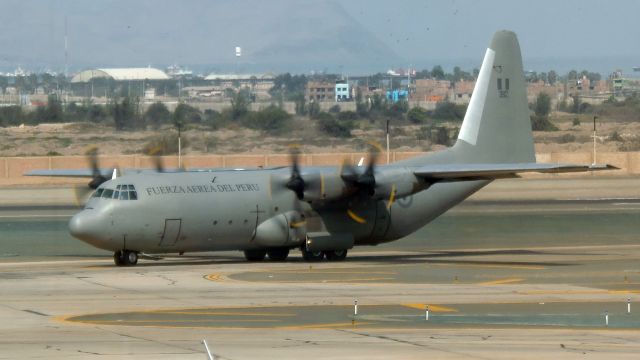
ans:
(75, 139)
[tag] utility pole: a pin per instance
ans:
(594, 139)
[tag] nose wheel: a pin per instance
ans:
(125, 258)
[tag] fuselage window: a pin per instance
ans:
(98, 193)
(107, 193)
(133, 195)
(124, 195)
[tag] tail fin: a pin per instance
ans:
(496, 127)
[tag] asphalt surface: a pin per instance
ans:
(529, 276)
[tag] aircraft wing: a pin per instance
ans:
(462, 172)
(73, 173)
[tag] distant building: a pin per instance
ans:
(342, 91)
(397, 95)
(431, 90)
(320, 91)
(122, 74)
(462, 91)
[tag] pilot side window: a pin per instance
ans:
(98, 193)
(133, 195)
(107, 193)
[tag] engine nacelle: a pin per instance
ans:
(402, 182)
(286, 229)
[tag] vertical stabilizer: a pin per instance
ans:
(496, 127)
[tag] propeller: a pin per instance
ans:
(365, 181)
(155, 153)
(82, 192)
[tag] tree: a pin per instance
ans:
(157, 114)
(124, 114)
(437, 72)
(540, 118)
(53, 112)
(239, 105)
(552, 77)
(185, 114)
(417, 115)
(449, 111)
(542, 105)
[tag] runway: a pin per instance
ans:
(502, 278)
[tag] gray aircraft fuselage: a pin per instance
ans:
(221, 210)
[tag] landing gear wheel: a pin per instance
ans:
(336, 255)
(125, 258)
(312, 255)
(255, 255)
(278, 254)
(117, 258)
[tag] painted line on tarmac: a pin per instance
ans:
(216, 277)
(498, 266)
(321, 271)
(433, 308)
(576, 292)
(169, 321)
(223, 313)
(501, 281)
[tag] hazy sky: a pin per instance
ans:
(304, 35)
(547, 29)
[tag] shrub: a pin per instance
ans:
(542, 123)
(271, 119)
(328, 124)
(417, 115)
(165, 144)
(566, 138)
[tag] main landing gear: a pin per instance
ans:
(331, 255)
(281, 254)
(275, 254)
(125, 258)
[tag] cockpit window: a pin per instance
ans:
(97, 193)
(122, 192)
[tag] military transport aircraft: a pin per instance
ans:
(320, 210)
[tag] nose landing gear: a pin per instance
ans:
(125, 258)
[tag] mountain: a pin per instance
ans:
(291, 35)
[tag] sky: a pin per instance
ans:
(355, 36)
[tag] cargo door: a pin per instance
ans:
(171, 232)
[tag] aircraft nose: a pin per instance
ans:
(86, 226)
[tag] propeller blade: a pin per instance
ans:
(157, 160)
(82, 194)
(98, 178)
(296, 182)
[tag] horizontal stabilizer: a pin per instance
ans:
(461, 172)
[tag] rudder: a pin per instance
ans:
(496, 127)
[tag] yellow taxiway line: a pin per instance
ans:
(434, 308)
(501, 281)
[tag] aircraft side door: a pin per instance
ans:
(171, 232)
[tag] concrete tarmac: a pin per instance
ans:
(540, 282)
